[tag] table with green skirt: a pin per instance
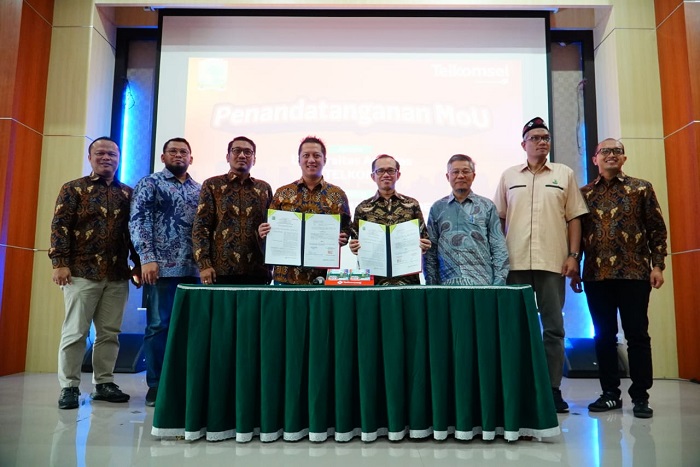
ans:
(295, 361)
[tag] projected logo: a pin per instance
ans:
(212, 74)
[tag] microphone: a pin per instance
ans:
(320, 280)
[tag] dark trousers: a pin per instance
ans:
(631, 298)
(550, 295)
(159, 300)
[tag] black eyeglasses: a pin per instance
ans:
(175, 152)
(237, 151)
(608, 151)
(390, 171)
(537, 138)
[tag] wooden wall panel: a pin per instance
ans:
(10, 11)
(678, 35)
(20, 204)
(66, 105)
(25, 35)
(32, 69)
(692, 21)
(43, 7)
(674, 71)
(639, 89)
(5, 147)
(683, 174)
(23, 189)
(663, 8)
(687, 297)
(62, 160)
(14, 318)
(633, 14)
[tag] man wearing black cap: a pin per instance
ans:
(539, 204)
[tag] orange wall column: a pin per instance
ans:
(24, 61)
(678, 38)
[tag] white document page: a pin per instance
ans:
(406, 255)
(321, 247)
(283, 243)
(372, 253)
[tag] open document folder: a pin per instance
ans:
(303, 239)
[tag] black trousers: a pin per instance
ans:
(631, 298)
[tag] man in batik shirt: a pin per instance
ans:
(388, 207)
(162, 213)
(624, 242)
(89, 249)
(231, 207)
(469, 247)
(310, 194)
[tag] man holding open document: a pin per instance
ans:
(308, 221)
(388, 230)
(469, 247)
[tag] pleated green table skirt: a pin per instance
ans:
(291, 362)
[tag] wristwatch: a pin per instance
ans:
(574, 254)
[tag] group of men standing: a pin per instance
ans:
(534, 232)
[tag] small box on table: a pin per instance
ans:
(349, 277)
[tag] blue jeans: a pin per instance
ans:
(159, 306)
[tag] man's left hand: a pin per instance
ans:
(149, 273)
(570, 267)
(575, 284)
(656, 278)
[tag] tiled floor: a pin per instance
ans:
(33, 432)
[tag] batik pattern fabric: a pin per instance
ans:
(90, 229)
(389, 211)
(468, 245)
(324, 198)
(162, 214)
(225, 231)
(624, 234)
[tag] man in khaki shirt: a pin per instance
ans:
(539, 204)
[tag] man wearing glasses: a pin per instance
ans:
(388, 207)
(468, 243)
(539, 204)
(231, 207)
(309, 194)
(624, 240)
(162, 213)
(90, 245)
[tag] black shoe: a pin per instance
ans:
(559, 403)
(151, 397)
(69, 398)
(606, 401)
(109, 392)
(642, 410)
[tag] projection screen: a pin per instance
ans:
(418, 88)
